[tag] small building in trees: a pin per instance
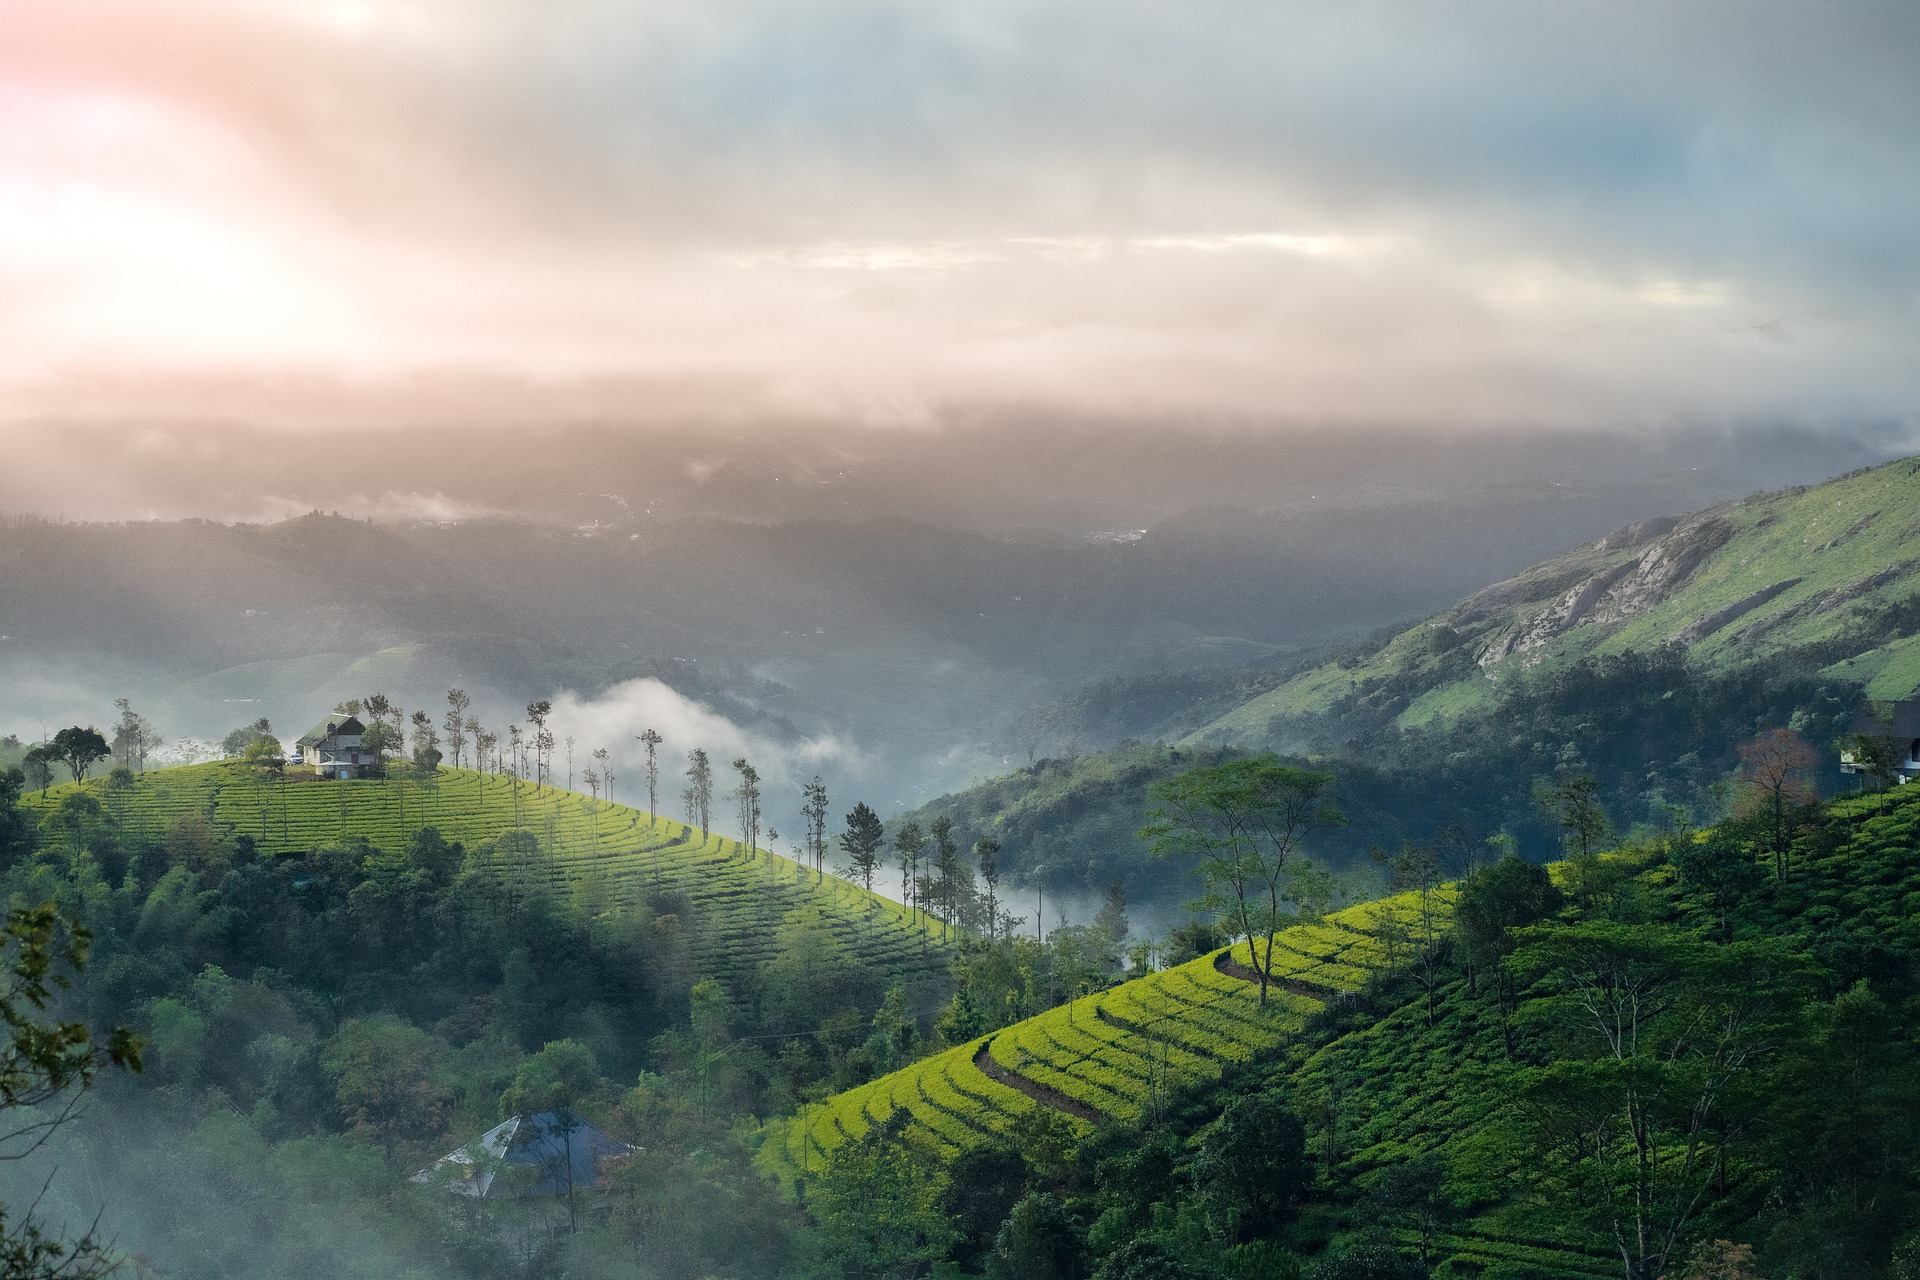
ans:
(531, 1179)
(1884, 742)
(550, 1153)
(332, 748)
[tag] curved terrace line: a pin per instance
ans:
(1040, 1093)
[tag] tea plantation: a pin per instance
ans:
(737, 897)
(1120, 1054)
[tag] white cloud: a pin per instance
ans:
(617, 718)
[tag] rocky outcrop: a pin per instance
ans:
(1663, 566)
(1622, 591)
(1705, 626)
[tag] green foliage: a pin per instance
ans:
(1041, 1240)
(339, 990)
(1252, 1165)
(388, 1079)
(878, 1206)
(1242, 824)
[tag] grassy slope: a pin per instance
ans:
(1852, 543)
(736, 896)
(1400, 1083)
(1118, 1054)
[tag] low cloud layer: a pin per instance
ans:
(306, 212)
(615, 720)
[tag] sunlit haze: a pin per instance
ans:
(875, 211)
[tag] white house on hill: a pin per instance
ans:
(332, 748)
(1893, 737)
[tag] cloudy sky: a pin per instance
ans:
(1473, 212)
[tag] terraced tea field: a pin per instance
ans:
(1117, 1054)
(740, 898)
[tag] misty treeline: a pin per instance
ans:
(1659, 737)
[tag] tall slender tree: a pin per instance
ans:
(600, 755)
(748, 795)
(987, 850)
(813, 808)
(515, 747)
(426, 742)
(455, 724)
(700, 790)
(944, 891)
(861, 843)
(651, 741)
(133, 737)
(541, 743)
(908, 841)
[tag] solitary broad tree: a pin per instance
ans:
(861, 843)
(79, 750)
(651, 741)
(700, 790)
(1242, 822)
(456, 724)
(1774, 768)
(1575, 807)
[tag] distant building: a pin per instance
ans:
(332, 748)
(1884, 740)
(552, 1153)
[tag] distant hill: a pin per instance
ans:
(735, 901)
(1825, 574)
(1642, 659)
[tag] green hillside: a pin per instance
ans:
(1472, 1088)
(738, 899)
(1120, 1054)
(1827, 572)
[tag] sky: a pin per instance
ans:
(310, 213)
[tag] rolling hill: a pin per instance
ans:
(737, 898)
(1826, 573)
(1116, 1055)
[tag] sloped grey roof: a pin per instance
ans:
(538, 1155)
(348, 726)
